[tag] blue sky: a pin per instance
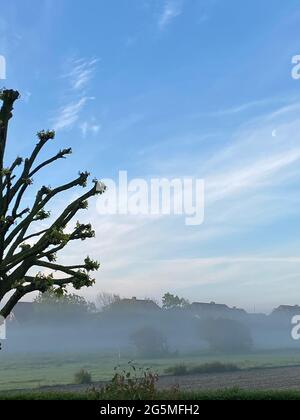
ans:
(172, 88)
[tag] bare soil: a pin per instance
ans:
(257, 379)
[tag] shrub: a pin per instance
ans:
(214, 367)
(129, 384)
(82, 377)
(177, 370)
(226, 335)
(150, 343)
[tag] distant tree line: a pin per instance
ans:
(222, 335)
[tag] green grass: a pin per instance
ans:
(28, 371)
(230, 394)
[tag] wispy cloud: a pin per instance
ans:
(241, 201)
(130, 251)
(81, 73)
(254, 154)
(172, 9)
(88, 127)
(69, 114)
(249, 184)
(242, 108)
(257, 174)
(79, 78)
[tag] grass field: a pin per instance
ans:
(28, 371)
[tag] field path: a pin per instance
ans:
(256, 379)
(286, 378)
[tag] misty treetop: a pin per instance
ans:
(22, 247)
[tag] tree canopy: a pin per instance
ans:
(174, 302)
(53, 307)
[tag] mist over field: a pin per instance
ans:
(52, 339)
(45, 327)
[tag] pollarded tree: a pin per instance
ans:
(23, 249)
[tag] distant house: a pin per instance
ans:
(213, 310)
(134, 305)
(286, 311)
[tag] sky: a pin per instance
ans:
(171, 88)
